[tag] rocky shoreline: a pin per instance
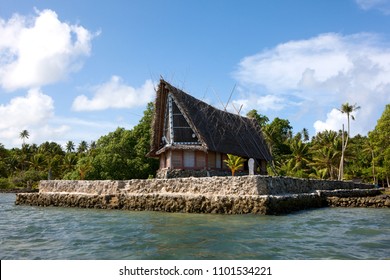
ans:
(235, 195)
(266, 205)
(379, 201)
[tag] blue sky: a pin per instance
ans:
(77, 70)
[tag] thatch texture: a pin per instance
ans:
(216, 130)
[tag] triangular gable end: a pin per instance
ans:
(177, 128)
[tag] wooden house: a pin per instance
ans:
(189, 134)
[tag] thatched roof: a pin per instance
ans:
(216, 130)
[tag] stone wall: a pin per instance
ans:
(238, 185)
(379, 201)
(167, 173)
(228, 195)
(151, 202)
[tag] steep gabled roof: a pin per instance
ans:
(217, 130)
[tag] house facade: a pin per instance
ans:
(190, 135)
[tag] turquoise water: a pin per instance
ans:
(70, 233)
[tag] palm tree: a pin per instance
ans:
(93, 145)
(69, 146)
(84, 165)
(234, 162)
(348, 109)
(38, 162)
(69, 161)
(370, 149)
(326, 154)
(299, 156)
(83, 147)
(325, 162)
(24, 134)
(305, 134)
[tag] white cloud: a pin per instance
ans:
(35, 112)
(333, 120)
(381, 5)
(40, 50)
(115, 94)
(322, 72)
(31, 112)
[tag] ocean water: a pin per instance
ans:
(28, 232)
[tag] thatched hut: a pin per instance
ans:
(189, 134)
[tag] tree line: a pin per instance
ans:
(118, 155)
(330, 154)
(121, 154)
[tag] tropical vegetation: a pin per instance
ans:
(118, 155)
(121, 154)
(325, 155)
(234, 163)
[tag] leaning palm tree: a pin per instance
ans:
(234, 162)
(24, 134)
(348, 109)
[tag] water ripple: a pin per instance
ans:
(70, 233)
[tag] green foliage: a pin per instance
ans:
(276, 134)
(326, 152)
(260, 119)
(70, 147)
(380, 144)
(142, 133)
(27, 179)
(234, 163)
(3, 161)
(121, 154)
(84, 167)
(113, 156)
(5, 183)
(83, 147)
(297, 163)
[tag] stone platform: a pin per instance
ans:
(223, 195)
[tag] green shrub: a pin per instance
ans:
(28, 179)
(5, 183)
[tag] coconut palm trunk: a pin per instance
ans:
(347, 109)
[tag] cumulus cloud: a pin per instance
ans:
(40, 50)
(333, 120)
(31, 112)
(322, 72)
(381, 5)
(115, 94)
